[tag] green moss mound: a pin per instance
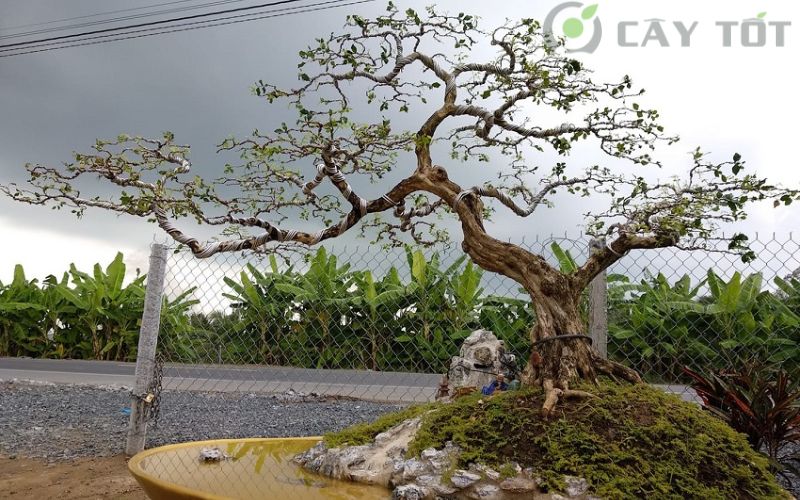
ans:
(629, 442)
(364, 433)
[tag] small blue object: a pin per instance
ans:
(488, 390)
(126, 410)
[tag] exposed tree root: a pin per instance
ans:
(614, 369)
(557, 389)
(556, 362)
(553, 394)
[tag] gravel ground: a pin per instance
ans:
(61, 422)
(58, 422)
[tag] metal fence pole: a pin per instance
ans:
(146, 353)
(598, 307)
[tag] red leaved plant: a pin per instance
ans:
(759, 401)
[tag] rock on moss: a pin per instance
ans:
(629, 442)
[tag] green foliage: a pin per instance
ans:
(21, 311)
(329, 316)
(410, 319)
(81, 316)
(631, 441)
(334, 317)
(658, 327)
(566, 262)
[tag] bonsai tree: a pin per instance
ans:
(352, 84)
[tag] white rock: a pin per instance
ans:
(485, 471)
(519, 484)
(377, 463)
(440, 460)
(429, 480)
(428, 453)
(409, 492)
(212, 455)
(486, 492)
(481, 352)
(365, 476)
(413, 468)
(443, 489)
(462, 479)
(576, 486)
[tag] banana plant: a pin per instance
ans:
(178, 339)
(790, 289)
(666, 326)
(755, 323)
(655, 326)
(264, 307)
(566, 262)
(511, 321)
(416, 353)
(107, 310)
(430, 285)
(55, 308)
(376, 308)
(466, 295)
(324, 297)
(20, 314)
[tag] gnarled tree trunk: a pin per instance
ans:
(561, 351)
(560, 355)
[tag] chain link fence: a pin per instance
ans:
(383, 324)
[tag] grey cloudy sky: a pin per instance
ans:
(196, 83)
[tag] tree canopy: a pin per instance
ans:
(506, 108)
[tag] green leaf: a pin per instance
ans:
(369, 289)
(115, 273)
(72, 298)
(714, 284)
(623, 334)
(19, 306)
(729, 299)
(761, 15)
(751, 287)
(108, 347)
(418, 267)
(589, 11)
(565, 260)
(19, 276)
(292, 289)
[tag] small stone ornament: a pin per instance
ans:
(213, 455)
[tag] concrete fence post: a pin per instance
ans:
(146, 353)
(598, 306)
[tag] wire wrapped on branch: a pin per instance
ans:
(361, 207)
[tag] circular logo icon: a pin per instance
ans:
(574, 28)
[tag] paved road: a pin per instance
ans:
(362, 384)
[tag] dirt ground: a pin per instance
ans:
(87, 478)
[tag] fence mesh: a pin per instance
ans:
(383, 324)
